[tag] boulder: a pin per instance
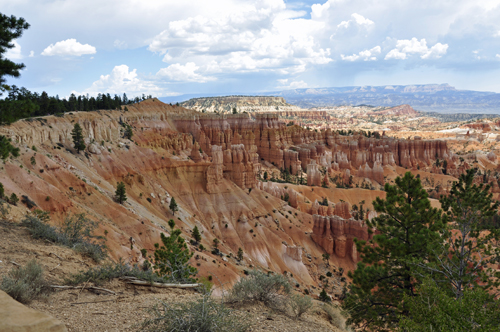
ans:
(15, 317)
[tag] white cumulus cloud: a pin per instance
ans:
(366, 55)
(415, 46)
(15, 52)
(286, 84)
(122, 80)
(259, 36)
(498, 56)
(356, 19)
(184, 73)
(68, 47)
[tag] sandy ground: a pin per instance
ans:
(83, 310)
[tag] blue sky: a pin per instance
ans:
(166, 48)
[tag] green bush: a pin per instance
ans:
(75, 233)
(259, 286)
(26, 283)
(109, 271)
(204, 315)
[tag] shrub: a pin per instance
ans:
(259, 286)
(300, 304)
(26, 283)
(334, 316)
(4, 209)
(109, 271)
(75, 233)
(205, 315)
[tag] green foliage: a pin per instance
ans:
(121, 193)
(265, 175)
(435, 309)
(77, 136)
(406, 227)
(240, 254)
(204, 315)
(196, 234)
(173, 206)
(324, 297)
(25, 283)
(170, 261)
(128, 131)
(6, 148)
(11, 28)
(260, 286)
(13, 199)
(108, 271)
(216, 243)
(206, 283)
(2, 191)
(465, 260)
(235, 111)
(324, 202)
(75, 232)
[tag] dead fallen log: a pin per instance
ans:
(89, 287)
(158, 284)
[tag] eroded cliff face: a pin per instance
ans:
(210, 165)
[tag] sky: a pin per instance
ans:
(167, 48)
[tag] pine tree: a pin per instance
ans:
(11, 28)
(323, 296)
(171, 259)
(120, 193)
(196, 234)
(2, 191)
(13, 199)
(6, 148)
(406, 226)
(78, 137)
(470, 249)
(240, 254)
(173, 206)
(128, 131)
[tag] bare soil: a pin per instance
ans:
(85, 310)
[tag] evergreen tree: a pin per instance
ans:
(173, 206)
(435, 310)
(171, 259)
(11, 28)
(120, 193)
(240, 254)
(2, 191)
(128, 131)
(406, 225)
(78, 137)
(13, 199)
(196, 234)
(323, 296)
(468, 252)
(6, 148)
